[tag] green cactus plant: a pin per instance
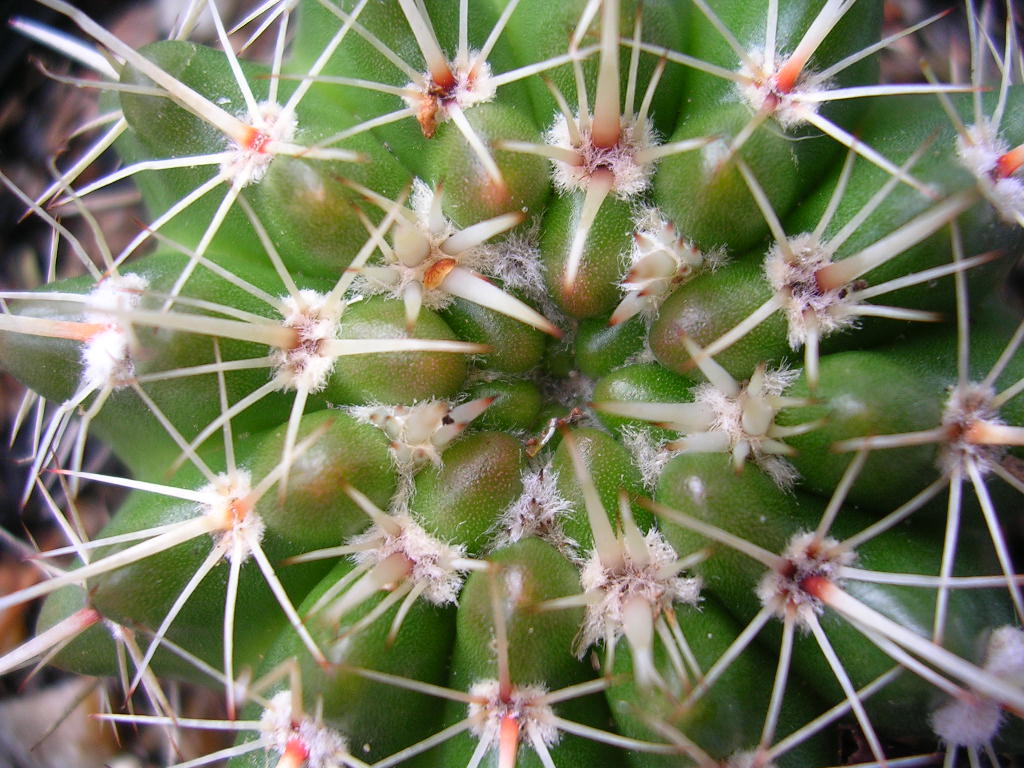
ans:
(502, 382)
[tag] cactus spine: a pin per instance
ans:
(510, 382)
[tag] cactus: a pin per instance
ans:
(505, 382)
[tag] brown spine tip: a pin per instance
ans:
(437, 272)
(426, 116)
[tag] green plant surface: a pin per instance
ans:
(517, 383)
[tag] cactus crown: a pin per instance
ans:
(453, 378)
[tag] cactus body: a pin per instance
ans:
(555, 384)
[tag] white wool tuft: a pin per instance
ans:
(615, 588)
(974, 722)
(968, 406)
(631, 177)
(421, 200)
(515, 261)
(979, 152)
(325, 748)
(1004, 656)
(305, 366)
(649, 455)
(537, 512)
(106, 360)
(431, 559)
(114, 294)
(713, 155)
(524, 705)
(248, 165)
(106, 357)
(804, 556)
(795, 282)
(971, 724)
(759, 90)
(247, 526)
(473, 85)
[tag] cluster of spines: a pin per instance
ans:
(599, 154)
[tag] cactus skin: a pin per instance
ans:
(468, 427)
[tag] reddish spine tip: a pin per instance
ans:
(443, 77)
(785, 81)
(1009, 163)
(508, 742)
(295, 754)
(251, 138)
(816, 586)
(68, 329)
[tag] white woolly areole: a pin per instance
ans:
(979, 151)
(630, 177)
(515, 261)
(523, 705)
(106, 360)
(305, 366)
(232, 513)
(747, 419)
(653, 583)
(430, 560)
(324, 747)
(537, 512)
(248, 163)
(433, 103)
(415, 430)
(713, 155)
(118, 293)
(660, 260)
(417, 256)
(971, 724)
(650, 456)
(974, 722)
(106, 357)
(1004, 656)
(795, 282)
(967, 407)
(761, 91)
(805, 556)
